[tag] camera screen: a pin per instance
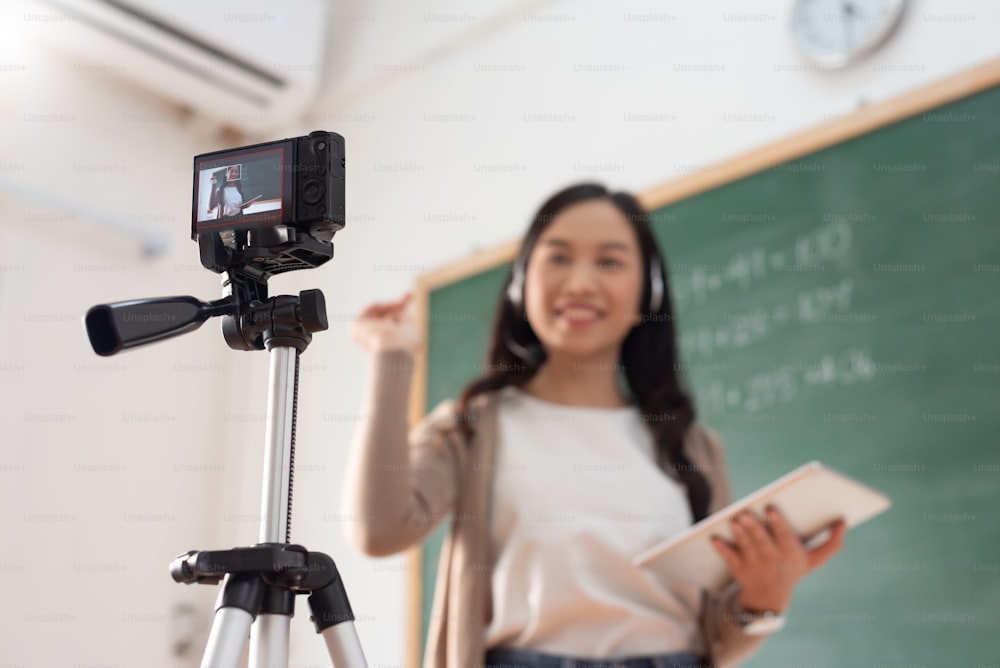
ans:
(244, 188)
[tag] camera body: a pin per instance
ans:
(270, 207)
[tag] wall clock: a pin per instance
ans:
(835, 33)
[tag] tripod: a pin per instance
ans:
(259, 583)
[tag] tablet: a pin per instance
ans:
(811, 498)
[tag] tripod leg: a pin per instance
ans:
(333, 617)
(344, 646)
(227, 638)
(238, 602)
(269, 635)
(269, 642)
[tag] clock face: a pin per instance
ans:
(835, 33)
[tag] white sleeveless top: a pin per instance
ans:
(576, 495)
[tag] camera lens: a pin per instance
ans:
(321, 146)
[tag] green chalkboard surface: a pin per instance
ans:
(842, 306)
(259, 179)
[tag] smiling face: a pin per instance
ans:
(583, 282)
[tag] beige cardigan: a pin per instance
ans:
(402, 483)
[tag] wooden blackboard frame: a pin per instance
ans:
(865, 120)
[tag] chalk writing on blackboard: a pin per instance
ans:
(829, 244)
(824, 303)
(785, 383)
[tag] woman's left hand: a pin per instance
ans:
(768, 559)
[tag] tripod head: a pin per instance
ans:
(251, 321)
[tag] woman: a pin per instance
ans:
(578, 449)
(232, 193)
(227, 192)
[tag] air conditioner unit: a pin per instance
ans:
(251, 64)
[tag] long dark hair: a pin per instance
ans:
(649, 356)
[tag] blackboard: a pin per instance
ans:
(838, 299)
(260, 178)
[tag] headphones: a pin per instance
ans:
(515, 291)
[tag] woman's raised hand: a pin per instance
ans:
(388, 325)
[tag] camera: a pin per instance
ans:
(269, 208)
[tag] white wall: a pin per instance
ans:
(450, 113)
(108, 467)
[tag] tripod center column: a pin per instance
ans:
(278, 445)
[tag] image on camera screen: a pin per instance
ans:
(241, 188)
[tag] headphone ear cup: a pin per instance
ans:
(655, 285)
(516, 286)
